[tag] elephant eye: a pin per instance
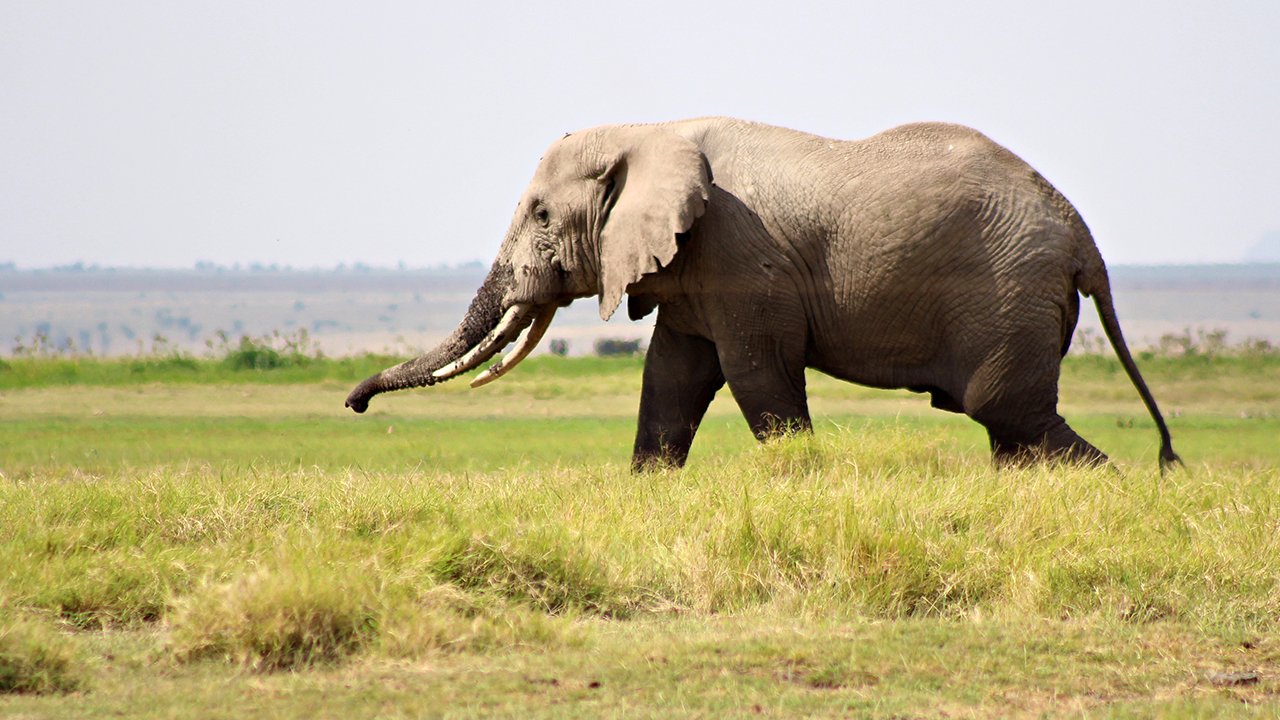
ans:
(542, 216)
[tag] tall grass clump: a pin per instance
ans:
(446, 618)
(542, 568)
(36, 659)
(303, 611)
(290, 616)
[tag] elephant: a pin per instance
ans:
(925, 257)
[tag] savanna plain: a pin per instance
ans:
(218, 537)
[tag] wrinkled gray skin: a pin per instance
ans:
(926, 257)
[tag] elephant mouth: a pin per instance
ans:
(519, 317)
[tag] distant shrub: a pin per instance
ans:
(1207, 343)
(558, 346)
(611, 347)
(1089, 342)
(254, 355)
(267, 352)
(165, 362)
(38, 345)
(1200, 344)
(1257, 347)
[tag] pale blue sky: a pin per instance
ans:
(311, 134)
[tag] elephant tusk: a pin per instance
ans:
(526, 345)
(512, 322)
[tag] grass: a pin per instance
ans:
(226, 548)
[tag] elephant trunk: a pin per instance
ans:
(482, 319)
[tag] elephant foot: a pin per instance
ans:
(1058, 444)
(646, 462)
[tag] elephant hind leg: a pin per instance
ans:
(1059, 443)
(1019, 411)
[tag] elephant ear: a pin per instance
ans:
(661, 185)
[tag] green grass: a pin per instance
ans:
(223, 548)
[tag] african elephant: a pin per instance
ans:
(926, 257)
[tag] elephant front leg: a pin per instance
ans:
(681, 376)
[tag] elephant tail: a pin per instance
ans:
(1092, 280)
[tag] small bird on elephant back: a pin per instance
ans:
(926, 257)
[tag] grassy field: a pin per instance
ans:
(200, 538)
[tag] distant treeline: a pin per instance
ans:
(211, 276)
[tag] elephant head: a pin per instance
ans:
(603, 209)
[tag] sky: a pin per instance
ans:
(311, 134)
